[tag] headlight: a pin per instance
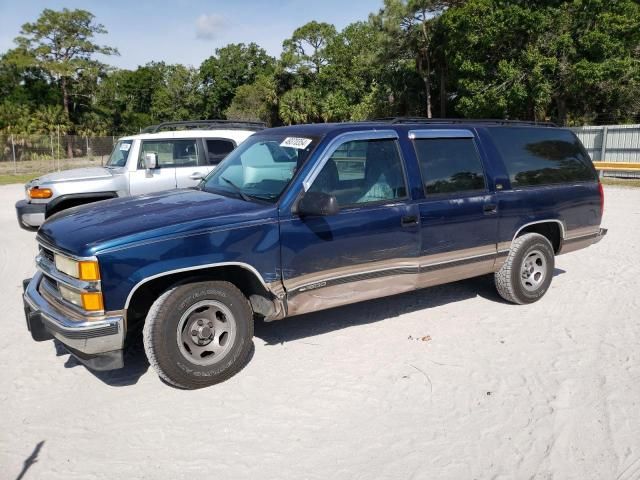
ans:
(84, 269)
(90, 301)
(37, 192)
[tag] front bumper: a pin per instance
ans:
(97, 343)
(30, 215)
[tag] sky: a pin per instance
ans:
(187, 31)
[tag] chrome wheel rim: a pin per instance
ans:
(206, 332)
(533, 271)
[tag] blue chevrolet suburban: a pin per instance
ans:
(304, 218)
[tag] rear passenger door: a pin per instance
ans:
(458, 217)
(209, 152)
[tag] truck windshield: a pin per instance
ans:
(261, 167)
(120, 154)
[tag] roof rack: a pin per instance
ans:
(401, 120)
(204, 125)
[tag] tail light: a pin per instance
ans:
(601, 191)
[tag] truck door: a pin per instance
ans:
(369, 248)
(458, 216)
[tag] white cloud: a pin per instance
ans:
(208, 26)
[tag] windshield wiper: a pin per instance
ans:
(238, 190)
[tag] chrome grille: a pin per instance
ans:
(48, 254)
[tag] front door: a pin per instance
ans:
(458, 217)
(369, 248)
(164, 176)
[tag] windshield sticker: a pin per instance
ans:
(296, 142)
(125, 147)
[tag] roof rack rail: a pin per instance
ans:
(204, 125)
(401, 120)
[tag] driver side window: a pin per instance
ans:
(171, 153)
(363, 171)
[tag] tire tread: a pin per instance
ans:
(151, 331)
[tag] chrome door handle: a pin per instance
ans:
(409, 220)
(489, 208)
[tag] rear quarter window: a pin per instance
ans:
(542, 156)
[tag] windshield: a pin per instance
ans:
(120, 154)
(261, 167)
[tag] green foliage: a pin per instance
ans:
(298, 105)
(305, 52)
(60, 42)
(232, 66)
(255, 102)
(178, 98)
(570, 61)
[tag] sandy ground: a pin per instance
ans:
(444, 383)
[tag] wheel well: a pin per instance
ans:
(64, 203)
(148, 292)
(550, 230)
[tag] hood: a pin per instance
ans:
(88, 229)
(88, 173)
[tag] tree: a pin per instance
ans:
(179, 97)
(60, 43)
(409, 26)
(125, 97)
(298, 105)
(305, 52)
(570, 61)
(232, 66)
(49, 119)
(352, 63)
(255, 102)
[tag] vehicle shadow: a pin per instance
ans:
(135, 365)
(317, 323)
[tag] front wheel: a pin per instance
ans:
(199, 334)
(526, 275)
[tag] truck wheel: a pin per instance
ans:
(199, 334)
(527, 273)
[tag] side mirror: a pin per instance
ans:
(315, 204)
(150, 161)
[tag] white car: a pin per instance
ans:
(162, 157)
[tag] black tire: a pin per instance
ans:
(517, 285)
(179, 361)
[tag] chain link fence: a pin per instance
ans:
(26, 154)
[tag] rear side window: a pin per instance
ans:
(542, 156)
(218, 149)
(449, 165)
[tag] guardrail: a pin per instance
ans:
(627, 167)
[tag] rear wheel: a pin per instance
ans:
(199, 334)
(526, 275)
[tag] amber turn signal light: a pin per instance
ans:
(88, 270)
(36, 192)
(92, 301)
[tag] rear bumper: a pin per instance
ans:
(601, 233)
(97, 343)
(30, 215)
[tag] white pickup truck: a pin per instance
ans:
(182, 153)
